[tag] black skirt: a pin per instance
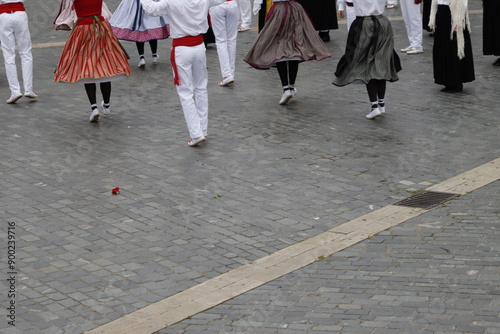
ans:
(323, 13)
(426, 13)
(449, 70)
(491, 27)
(209, 36)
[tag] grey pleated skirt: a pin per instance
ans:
(287, 35)
(369, 53)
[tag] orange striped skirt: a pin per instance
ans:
(92, 54)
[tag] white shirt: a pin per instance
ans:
(341, 4)
(369, 7)
(186, 17)
(443, 2)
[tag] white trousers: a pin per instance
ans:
(245, 19)
(192, 69)
(14, 29)
(413, 22)
(225, 26)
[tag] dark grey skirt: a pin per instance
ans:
(287, 35)
(369, 53)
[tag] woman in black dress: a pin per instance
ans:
(452, 52)
(491, 29)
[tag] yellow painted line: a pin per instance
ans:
(243, 279)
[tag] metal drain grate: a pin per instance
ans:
(426, 199)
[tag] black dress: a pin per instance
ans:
(426, 12)
(323, 13)
(209, 37)
(449, 70)
(491, 27)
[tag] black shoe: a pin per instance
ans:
(324, 35)
(431, 34)
(497, 62)
(455, 89)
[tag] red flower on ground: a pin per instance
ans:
(115, 191)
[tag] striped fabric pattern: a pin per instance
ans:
(92, 52)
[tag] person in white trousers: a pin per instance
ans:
(225, 27)
(413, 22)
(245, 17)
(345, 9)
(188, 22)
(14, 29)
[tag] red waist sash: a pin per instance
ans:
(89, 20)
(12, 7)
(183, 41)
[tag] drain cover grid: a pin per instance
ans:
(426, 199)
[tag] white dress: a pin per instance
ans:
(131, 23)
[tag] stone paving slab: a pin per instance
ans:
(284, 173)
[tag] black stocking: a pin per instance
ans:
(371, 87)
(283, 72)
(287, 71)
(376, 89)
(154, 46)
(91, 89)
(105, 91)
(381, 89)
(140, 48)
(293, 69)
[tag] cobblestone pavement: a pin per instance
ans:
(267, 177)
(438, 273)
